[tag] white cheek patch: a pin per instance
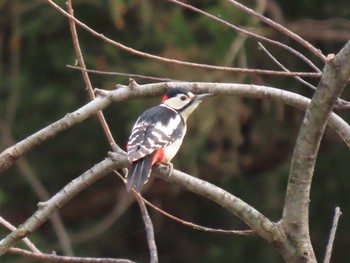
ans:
(176, 103)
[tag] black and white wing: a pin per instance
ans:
(155, 129)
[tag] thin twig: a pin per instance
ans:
(195, 226)
(280, 28)
(186, 223)
(329, 248)
(121, 74)
(86, 78)
(55, 220)
(65, 259)
(15, 56)
(179, 62)
(342, 104)
(26, 240)
(251, 34)
(284, 68)
(241, 39)
(149, 229)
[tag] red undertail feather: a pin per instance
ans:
(158, 156)
(140, 170)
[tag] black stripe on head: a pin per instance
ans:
(174, 91)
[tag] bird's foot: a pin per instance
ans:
(170, 168)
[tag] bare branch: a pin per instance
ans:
(40, 190)
(249, 215)
(15, 52)
(26, 240)
(195, 226)
(342, 104)
(121, 74)
(149, 228)
(329, 248)
(55, 220)
(296, 210)
(284, 68)
(86, 78)
(251, 34)
(280, 28)
(178, 62)
(46, 209)
(65, 259)
(239, 41)
(260, 224)
(11, 154)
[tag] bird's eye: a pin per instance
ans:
(183, 97)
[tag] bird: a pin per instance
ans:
(158, 134)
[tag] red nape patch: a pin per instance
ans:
(158, 156)
(165, 97)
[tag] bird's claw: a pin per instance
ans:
(170, 168)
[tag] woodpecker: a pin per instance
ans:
(158, 133)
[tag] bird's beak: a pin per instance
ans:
(202, 96)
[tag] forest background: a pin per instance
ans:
(242, 145)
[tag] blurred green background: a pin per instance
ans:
(239, 144)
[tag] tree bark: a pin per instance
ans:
(295, 220)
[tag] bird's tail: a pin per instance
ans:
(139, 173)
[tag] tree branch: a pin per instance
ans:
(149, 229)
(198, 227)
(26, 241)
(86, 78)
(123, 93)
(296, 210)
(42, 193)
(329, 248)
(178, 62)
(284, 68)
(262, 226)
(46, 209)
(63, 259)
(280, 28)
(134, 76)
(259, 223)
(251, 34)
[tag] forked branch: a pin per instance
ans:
(123, 93)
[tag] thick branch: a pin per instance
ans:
(123, 93)
(46, 209)
(260, 225)
(12, 153)
(26, 241)
(296, 210)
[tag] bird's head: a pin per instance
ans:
(183, 101)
